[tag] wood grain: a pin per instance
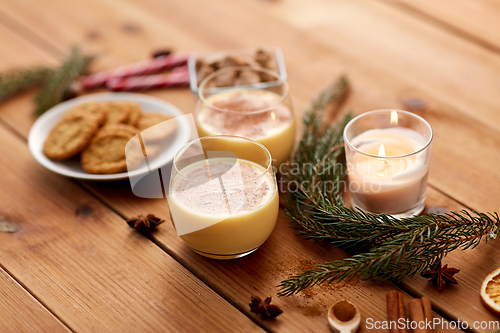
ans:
(23, 53)
(477, 20)
(462, 300)
(230, 281)
(20, 53)
(455, 79)
(283, 254)
(366, 32)
(88, 266)
(390, 56)
(21, 312)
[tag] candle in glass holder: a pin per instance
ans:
(387, 154)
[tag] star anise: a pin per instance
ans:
(145, 224)
(441, 275)
(264, 308)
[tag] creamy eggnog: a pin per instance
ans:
(257, 114)
(224, 206)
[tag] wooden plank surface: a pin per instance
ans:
(476, 20)
(88, 266)
(459, 136)
(357, 37)
(19, 52)
(283, 254)
(21, 312)
(451, 76)
(366, 32)
(234, 281)
(462, 300)
(397, 58)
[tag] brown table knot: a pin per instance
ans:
(414, 104)
(84, 211)
(131, 28)
(93, 35)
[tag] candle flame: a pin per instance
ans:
(381, 151)
(394, 117)
(273, 115)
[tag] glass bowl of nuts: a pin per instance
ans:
(268, 57)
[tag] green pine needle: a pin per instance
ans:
(52, 93)
(19, 80)
(391, 249)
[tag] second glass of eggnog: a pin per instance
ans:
(223, 196)
(234, 101)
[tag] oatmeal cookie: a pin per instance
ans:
(117, 112)
(70, 136)
(118, 128)
(106, 152)
(98, 110)
(135, 113)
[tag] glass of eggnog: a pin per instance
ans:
(223, 196)
(250, 102)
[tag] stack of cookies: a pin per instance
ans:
(99, 132)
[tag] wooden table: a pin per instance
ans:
(75, 265)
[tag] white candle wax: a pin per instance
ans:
(391, 180)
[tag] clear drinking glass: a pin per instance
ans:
(233, 101)
(387, 155)
(223, 196)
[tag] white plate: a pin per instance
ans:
(72, 168)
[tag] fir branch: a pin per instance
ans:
(318, 159)
(393, 249)
(420, 243)
(60, 80)
(18, 80)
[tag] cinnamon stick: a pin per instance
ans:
(392, 298)
(396, 311)
(402, 312)
(417, 315)
(426, 303)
